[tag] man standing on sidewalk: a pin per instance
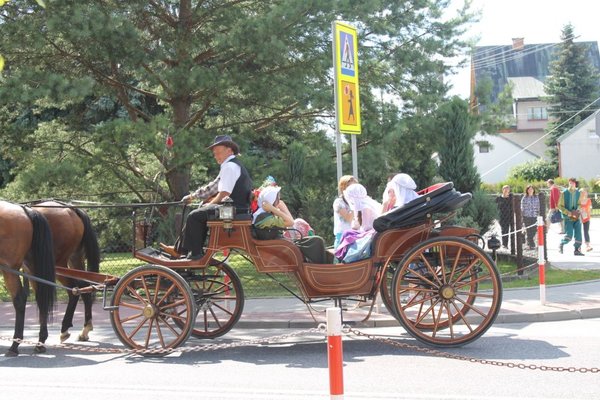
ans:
(569, 206)
(553, 205)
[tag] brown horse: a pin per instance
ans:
(74, 241)
(26, 242)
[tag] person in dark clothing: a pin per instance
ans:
(233, 181)
(505, 213)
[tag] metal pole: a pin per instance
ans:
(541, 262)
(338, 153)
(335, 357)
(354, 157)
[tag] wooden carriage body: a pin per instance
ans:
(430, 276)
(359, 278)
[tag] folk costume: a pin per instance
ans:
(569, 205)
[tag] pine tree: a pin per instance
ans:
(102, 83)
(457, 161)
(571, 86)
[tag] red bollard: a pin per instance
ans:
(335, 356)
(541, 262)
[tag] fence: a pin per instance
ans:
(121, 228)
(518, 234)
(117, 228)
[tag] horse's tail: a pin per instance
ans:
(90, 242)
(42, 253)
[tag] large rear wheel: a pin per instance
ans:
(153, 308)
(385, 288)
(439, 282)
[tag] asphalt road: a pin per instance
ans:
(296, 367)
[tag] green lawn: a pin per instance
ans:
(553, 276)
(260, 285)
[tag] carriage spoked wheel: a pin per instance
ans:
(154, 308)
(446, 291)
(219, 298)
(385, 288)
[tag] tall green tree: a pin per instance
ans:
(92, 89)
(572, 85)
(457, 128)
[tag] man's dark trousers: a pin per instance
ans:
(196, 229)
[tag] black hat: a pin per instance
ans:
(225, 140)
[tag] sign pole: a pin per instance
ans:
(338, 155)
(354, 156)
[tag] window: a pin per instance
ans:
(537, 113)
(484, 146)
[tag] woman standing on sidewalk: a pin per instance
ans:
(530, 207)
(585, 204)
(505, 214)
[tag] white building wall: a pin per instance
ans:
(580, 152)
(493, 167)
(523, 123)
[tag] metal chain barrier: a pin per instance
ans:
(168, 350)
(321, 329)
(444, 354)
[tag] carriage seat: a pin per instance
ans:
(438, 198)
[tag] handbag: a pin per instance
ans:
(575, 215)
(556, 216)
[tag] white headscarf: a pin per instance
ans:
(268, 194)
(404, 189)
(357, 197)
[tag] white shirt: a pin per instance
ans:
(228, 175)
(340, 224)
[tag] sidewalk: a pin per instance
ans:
(591, 260)
(563, 302)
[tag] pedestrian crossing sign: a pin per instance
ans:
(346, 88)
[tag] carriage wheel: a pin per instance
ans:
(219, 300)
(446, 291)
(148, 300)
(386, 285)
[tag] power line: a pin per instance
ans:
(498, 58)
(540, 138)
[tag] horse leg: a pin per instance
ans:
(40, 348)
(88, 301)
(67, 321)
(19, 303)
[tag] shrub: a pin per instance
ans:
(537, 170)
(479, 213)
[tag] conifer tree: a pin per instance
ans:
(571, 86)
(457, 128)
(93, 90)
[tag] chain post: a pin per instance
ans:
(335, 353)
(541, 261)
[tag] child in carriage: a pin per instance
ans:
(272, 218)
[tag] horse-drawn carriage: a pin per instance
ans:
(435, 280)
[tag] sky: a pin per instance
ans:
(537, 21)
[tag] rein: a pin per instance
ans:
(88, 204)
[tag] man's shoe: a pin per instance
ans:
(195, 256)
(560, 248)
(170, 250)
(578, 253)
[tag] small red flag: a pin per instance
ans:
(169, 142)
